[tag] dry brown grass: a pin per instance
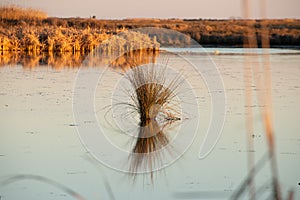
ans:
(62, 39)
(26, 29)
(152, 97)
(14, 12)
(49, 39)
(23, 29)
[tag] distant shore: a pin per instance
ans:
(21, 32)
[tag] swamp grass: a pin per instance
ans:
(152, 97)
(30, 30)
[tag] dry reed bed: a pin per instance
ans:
(25, 29)
(50, 39)
(14, 12)
(22, 29)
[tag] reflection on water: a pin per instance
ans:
(139, 57)
(77, 59)
(152, 100)
(31, 60)
(146, 152)
(151, 137)
(44, 143)
(133, 58)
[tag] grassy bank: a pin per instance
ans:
(31, 30)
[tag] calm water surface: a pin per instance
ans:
(38, 135)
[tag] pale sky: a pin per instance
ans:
(116, 9)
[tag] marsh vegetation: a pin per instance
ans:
(152, 95)
(30, 30)
(33, 39)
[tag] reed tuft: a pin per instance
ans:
(152, 97)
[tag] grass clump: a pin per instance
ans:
(152, 92)
(152, 98)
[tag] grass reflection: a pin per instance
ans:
(32, 60)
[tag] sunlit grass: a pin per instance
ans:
(152, 97)
(49, 39)
(13, 12)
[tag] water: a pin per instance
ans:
(38, 135)
(234, 51)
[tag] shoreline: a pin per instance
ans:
(83, 35)
(59, 60)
